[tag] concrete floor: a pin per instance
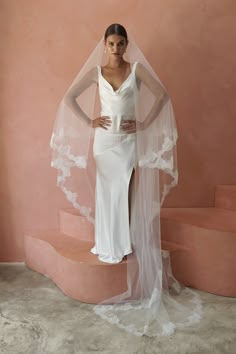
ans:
(36, 317)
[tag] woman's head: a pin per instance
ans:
(116, 39)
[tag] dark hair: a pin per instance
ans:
(116, 28)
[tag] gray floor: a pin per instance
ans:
(36, 317)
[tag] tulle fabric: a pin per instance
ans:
(155, 303)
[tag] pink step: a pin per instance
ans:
(209, 234)
(73, 224)
(201, 242)
(225, 197)
(65, 257)
(70, 264)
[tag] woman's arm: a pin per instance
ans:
(156, 88)
(70, 98)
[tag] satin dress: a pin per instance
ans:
(115, 154)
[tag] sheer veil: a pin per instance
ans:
(155, 303)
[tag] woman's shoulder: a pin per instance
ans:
(141, 70)
(93, 72)
(139, 65)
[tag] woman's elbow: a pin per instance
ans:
(165, 96)
(162, 97)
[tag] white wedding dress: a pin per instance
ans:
(115, 155)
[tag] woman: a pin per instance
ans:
(114, 145)
(135, 139)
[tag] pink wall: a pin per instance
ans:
(189, 43)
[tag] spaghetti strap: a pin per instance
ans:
(99, 69)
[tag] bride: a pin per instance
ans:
(134, 137)
(114, 145)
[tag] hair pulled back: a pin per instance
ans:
(118, 29)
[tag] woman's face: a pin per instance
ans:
(115, 45)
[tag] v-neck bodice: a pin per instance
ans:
(118, 104)
(123, 83)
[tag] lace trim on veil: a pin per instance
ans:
(63, 162)
(108, 312)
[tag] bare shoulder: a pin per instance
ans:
(141, 71)
(93, 74)
(149, 79)
(86, 80)
(90, 76)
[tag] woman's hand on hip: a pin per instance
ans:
(129, 126)
(102, 122)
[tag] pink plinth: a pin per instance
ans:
(75, 225)
(201, 241)
(225, 197)
(210, 235)
(76, 271)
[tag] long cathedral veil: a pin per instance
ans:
(155, 303)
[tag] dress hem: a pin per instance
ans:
(108, 258)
